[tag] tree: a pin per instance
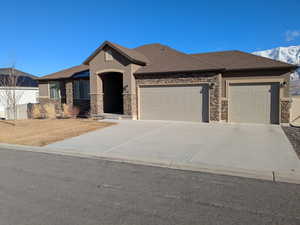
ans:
(10, 96)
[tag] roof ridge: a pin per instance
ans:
(130, 53)
(236, 59)
(215, 52)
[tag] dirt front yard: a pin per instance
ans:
(43, 132)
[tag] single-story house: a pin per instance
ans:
(156, 82)
(16, 86)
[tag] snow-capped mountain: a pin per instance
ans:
(289, 54)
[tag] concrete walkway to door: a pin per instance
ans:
(240, 146)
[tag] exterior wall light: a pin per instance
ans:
(283, 84)
(211, 85)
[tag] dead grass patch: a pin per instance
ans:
(42, 132)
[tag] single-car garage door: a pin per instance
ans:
(254, 103)
(181, 103)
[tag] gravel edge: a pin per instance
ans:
(293, 134)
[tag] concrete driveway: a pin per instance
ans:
(249, 147)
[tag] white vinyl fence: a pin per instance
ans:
(21, 112)
(27, 95)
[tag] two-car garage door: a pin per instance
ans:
(247, 103)
(254, 103)
(174, 102)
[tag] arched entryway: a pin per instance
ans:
(112, 83)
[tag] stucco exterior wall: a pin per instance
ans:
(43, 89)
(99, 66)
(257, 76)
(295, 111)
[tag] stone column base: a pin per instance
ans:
(129, 101)
(96, 103)
(285, 105)
(224, 110)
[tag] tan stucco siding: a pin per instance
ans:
(100, 65)
(118, 63)
(43, 89)
(295, 111)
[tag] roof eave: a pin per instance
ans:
(180, 71)
(289, 67)
(48, 79)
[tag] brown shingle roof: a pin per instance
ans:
(157, 58)
(165, 59)
(237, 60)
(67, 73)
(131, 54)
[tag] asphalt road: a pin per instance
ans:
(47, 189)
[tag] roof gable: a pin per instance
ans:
(132, 55)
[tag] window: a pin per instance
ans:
(108, 55)
(82, 89)
(54, 89)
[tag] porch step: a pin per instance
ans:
(112, 116)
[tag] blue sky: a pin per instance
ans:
(42, 36)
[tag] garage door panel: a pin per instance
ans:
(182, 103)
(253, 103)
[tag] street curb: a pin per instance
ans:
(274, 176)
(293, 125)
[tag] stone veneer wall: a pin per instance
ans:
(96, 103)
(224, 110)
(56, 102)
(129, 104)
(285, 105)
(188, 79)
(69, 92)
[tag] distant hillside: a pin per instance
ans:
(289, 54)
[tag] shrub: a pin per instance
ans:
(36, 111)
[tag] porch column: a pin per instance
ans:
(215, 98)
(69, 92)
(96, 94)
(129, 103)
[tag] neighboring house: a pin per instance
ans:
(23, 86)
(156, 82)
